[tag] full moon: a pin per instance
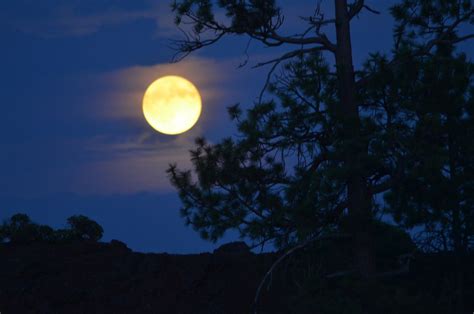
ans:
(172, 105)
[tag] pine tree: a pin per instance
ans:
(312, 162)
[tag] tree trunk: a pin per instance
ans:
(360, 214)
(456, 227)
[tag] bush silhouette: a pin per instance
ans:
(19, 229)
(46, 233)
(83, 228)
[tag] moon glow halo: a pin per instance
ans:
(172, 105)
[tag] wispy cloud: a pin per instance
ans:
(93, 138)
(74, 18)
(123, 89)
(135, 157)
(130, 166)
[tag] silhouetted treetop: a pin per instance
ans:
(84, 228)
(19, 229)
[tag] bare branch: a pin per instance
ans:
(275, 62)
(322, 40)
(267, 80)
(355, 8)
(275, 264)
(288, 253)
(370, 9)
(185, 47)
(266, 34)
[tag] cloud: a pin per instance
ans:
(130, 167)
(70, 25)
(123, 89)
(74, 18)
(89, 135)
(129, 156)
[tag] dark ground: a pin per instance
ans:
(109, 278)
(88, 278)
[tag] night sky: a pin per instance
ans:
(73, 137)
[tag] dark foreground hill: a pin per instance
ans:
(88, 277)
(109, 278)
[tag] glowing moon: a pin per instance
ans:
(172, 105)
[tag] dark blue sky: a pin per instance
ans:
(72, 133)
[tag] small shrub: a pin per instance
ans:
(83, 228)
(20, 229)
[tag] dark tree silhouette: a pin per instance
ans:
(83, 228)
(434, 189)
(19, 229)
(317, 154)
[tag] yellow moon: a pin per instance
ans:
(172, 105)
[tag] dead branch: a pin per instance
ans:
(284, 256)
